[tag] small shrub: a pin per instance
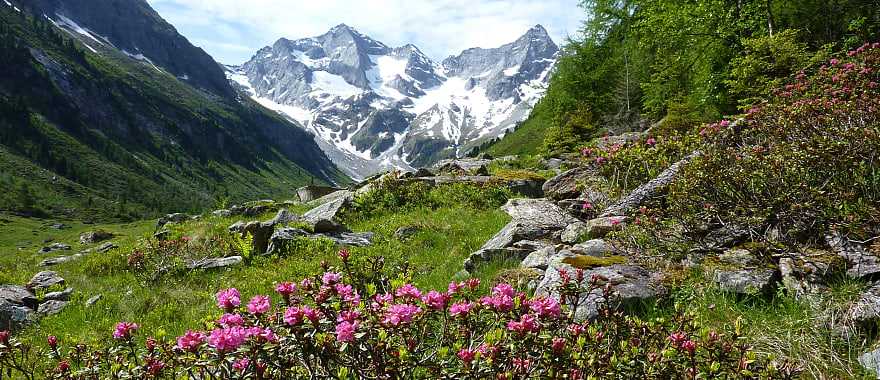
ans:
(395, 195)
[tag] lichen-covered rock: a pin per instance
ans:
(746, 281)
(93, 237)
(871, 361)
(599, 227)
(63, 295)
(51, 307)
(805, 273)
(540, 213)
(172, 218)
(861, 263)
(15, 317)
(568, 184)
(281, 238)
(574, 232)
(594, 247)
(55, 247)
(44, 280)
(59, 260)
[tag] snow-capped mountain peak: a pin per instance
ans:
(374, 107)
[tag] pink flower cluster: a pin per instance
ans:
(228, 299)
(296, 315)
(399, 314)
(124, 330)
(191, 341)
(259, 305)
(501, 299)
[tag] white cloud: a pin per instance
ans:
(439, 27)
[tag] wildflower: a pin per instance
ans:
(527, 323)
(259, 305)
(345, 331)
(472, 283)
(286, 289)
(154, 366)
(4, 336)
(499, 302)
(454, 287)
(521, 364)
(261, 334)
(228, 339)
(677, 339)
(241, 364)
(331, 278)
(400, 313)
(409, 291)
(587, 205)
(503, 289)
(228, 299)
(651, 141)
(467, 356)
(124, 330)
(601, 160)
(191, 340)
(587, 152)
(460, 309)
(348, 316)
(344, 254)
(689, 346)
(545, 307)
(834, 62)
(63, 366)
(305, 283)
(313, 315)
(229, 320)
(53, 341)
(151, 344)
(293, 316)
(558, 345)
(435, 300)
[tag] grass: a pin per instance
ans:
(168, 307)
(524, 140)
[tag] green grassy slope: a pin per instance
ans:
(108, 129)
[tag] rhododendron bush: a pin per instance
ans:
(347, 323)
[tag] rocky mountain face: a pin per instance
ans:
(375, 107)
(134, 28)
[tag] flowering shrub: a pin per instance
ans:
(347, 323)
(799, 163)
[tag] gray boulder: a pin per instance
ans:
(313, 192)
(530, 188)
(573, 232)
(15, 317)
(599, 227)
(281, 238)
(871, 361)
(18, 295)
(540, 213)
(59, 260)
(621, 139)
(55, 247)
(746, 281)
(628, 284)
(805, 273)
(323, 218)
(212, 263)
(44, 280)
(172, 218)
(860, 262)
(51, 307)
(92, 301)
(595, 248)
(569, 184)
(650, 190)
(93, 237)
(406, 232)
(461, 166)
(63, 295)
(106, 247)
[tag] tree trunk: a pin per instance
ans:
(770, 16)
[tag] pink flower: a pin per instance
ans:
(228, 339)
(472, 283)
(467, 356)
(345, 331)
(344, 254)
(124, 330)
(229, 320)
(435, 300)
(677, 339)
(305, 283)
(651, 141)
(587, 206)
(293, 316)
(689, 346)
(348, 316)
(241, 365)
(601, 160)
(53, 341)
(259, 305)
(454, 287)
(228, 299)
(527, 323)
(503, 290)
(460, 309)
(4, 336)
(261, 334)
(63, 366)
(545, 307)
(191, 340)
(409, 291)
(286, 289)
(558, 345)
(312, 315)
(499, 302)
(834, 62)
(398, 314)
(331, 278)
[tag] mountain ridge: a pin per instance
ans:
(373, 107)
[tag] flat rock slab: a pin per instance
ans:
(746, 281)
(573, 232)
(18, 295)
(629, 284)
(595, 248)
(59, 260)
(599, 227)
(567, 185)
(44, 280)
(51, 307)
(538, 212)
(467, 165)
(312, 192)
(355, 239)
(323, 218)
(55, 247)
(93, 237)
(213, 263)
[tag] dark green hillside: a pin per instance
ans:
(104, 136)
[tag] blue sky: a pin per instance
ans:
(233, 30)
